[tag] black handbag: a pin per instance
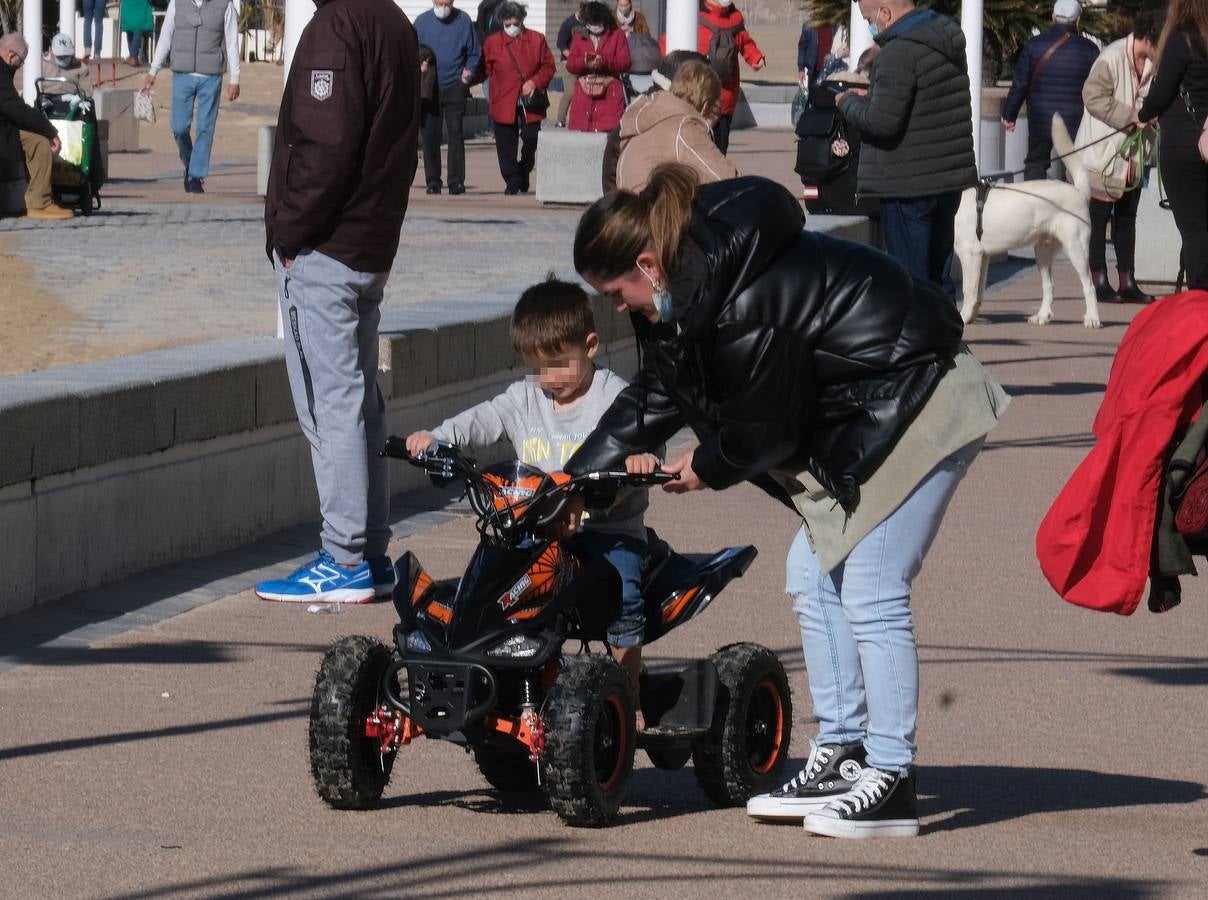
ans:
(536, 103)
(823, 150)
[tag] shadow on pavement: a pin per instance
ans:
(184, 653)
(1055, 389)
(1166, 676)
(1073, 889)
(971, 796)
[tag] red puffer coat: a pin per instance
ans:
(533, 61)
(598, 113)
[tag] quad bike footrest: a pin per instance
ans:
(659, 737)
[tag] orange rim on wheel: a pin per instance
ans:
(765, 726)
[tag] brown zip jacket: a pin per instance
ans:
(347, 136)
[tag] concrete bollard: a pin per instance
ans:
(264, 157)
(569, 166)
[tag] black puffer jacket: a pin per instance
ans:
(1057, 87)
(917, 121)
(794, 350)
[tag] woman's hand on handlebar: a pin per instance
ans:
(642, 464)
(419, 441)
(688, 479)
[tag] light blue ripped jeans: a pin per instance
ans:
(856, 628)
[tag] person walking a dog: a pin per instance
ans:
(916, 124)
(1049, 74)
(1113, 93)
(343, 164)
(768, 341)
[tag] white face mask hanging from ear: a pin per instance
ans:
(661, 297)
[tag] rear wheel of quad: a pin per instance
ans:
(589, 741)
(509, 771)
(349, 769)
(747, 745)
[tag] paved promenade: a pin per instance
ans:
(154, 739)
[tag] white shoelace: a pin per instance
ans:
(819, 756)
(868, 791)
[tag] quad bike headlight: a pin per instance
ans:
(417, 643)
(518, 646)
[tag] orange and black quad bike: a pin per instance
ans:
(510, 662)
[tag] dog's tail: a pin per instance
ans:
(1065, 149)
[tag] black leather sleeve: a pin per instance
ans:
(765, 375)
(640, 420)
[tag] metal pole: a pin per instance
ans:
(859, 38)
(32, 68)
(297, 14)
(682, 25)
(971, 25)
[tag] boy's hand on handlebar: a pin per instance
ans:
(572, 518)
(642, 464)
(419, 441)
(688, 479)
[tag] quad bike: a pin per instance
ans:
(482, 662)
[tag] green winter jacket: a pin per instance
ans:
(916, 121)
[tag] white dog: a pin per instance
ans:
(1045, 214)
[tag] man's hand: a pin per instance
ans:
(527, 88)
(419, 441)
(759, 65)
(642, 464)
(423, 66)
(233, 93)
(466, 76)
(572, 518)
(852, 92)
(1010, 126)
(55, 145)
(688, 479)
(148, 83)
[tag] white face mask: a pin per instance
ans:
(511, 30)
(596, 29)
(725, 3)
(442, 12)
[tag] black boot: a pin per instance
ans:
(1129, 292)
(1104, 292)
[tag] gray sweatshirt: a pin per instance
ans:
(546, 438)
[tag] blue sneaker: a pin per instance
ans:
(382, 570)
(321, 580)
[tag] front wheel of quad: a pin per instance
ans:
(589, 741)
(747, 745)
(349, 769)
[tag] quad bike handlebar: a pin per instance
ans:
(508, 509)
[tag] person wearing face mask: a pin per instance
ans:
(28, 142)
(598, 57)
(629, 20)
(451, 36)
(520, 66)
(916, 123)
(722, 37)
(674, 126)
(819, 370)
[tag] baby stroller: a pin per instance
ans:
(79, 170)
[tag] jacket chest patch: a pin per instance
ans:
(321, 81)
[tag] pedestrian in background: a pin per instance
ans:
(599, 56)
(342, 169)
(915, 122)
(520, 67)
(94, 28)
(202, 38)
(629, 20)
(1178, 99)
(1049, 74)
(450, 34)
(571, 25)
(1113, 93)
(813, 47)
(136, 21)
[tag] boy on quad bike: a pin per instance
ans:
(546, 417)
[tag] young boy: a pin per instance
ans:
(546, 417)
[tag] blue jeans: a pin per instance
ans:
(204, 91)
(134, 42)
(918, 233)
(627, 555)
(856, 628)
(94, 16)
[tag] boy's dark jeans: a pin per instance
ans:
(450, 105)
(918, 233)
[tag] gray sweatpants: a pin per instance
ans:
(331, 315)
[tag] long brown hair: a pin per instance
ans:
(621, 225)
(1184, 15)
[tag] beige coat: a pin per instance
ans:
(660, 128)
(1112, 93)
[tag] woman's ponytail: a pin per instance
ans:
(669, 194)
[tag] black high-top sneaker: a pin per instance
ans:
(882, 804)
(831, 771)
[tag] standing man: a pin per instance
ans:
(451, 35)
(812, 48)
(1049, 74)
(343, 164)
(566, 35)
(202, 37)
(916, 120)
(27, 139)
